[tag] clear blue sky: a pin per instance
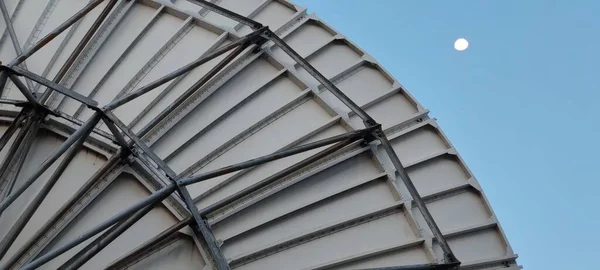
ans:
(521, 105)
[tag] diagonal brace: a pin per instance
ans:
(33, 206)
(80, 46)
(243, 42)
(154, 198)
(52, 85)
(12, 128)
(192, 89)
(50, 160)
(351, 136)
(13, 36)
(228, 13)
(46, 39)
(23, 88)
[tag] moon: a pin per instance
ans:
(461, 44)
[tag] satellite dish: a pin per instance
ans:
(186, 135)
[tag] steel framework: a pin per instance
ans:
(134, 150)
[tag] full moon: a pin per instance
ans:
(461, 44)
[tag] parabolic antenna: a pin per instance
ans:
(226, 134)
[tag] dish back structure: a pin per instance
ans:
(221, 134)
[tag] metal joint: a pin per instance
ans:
(368, 137)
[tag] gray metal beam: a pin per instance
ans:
(18, 160)
(220, 41)
(153, 198)
(88, 54)
(156, 242)
(227, 13)
(139, 143)
(243, 42)
(33, 246)
(13, 36)
(122, 56)
(249, 190)
(18, 226)
(16, 10)
(50, 160)
(9, 158)
(12, 128)
(84, 255)
(54, 33)
(344, 138)
(120, 139)
(202, 230)
(23, 88)
(54, 86)
(437, 233)
(190, 91)
(79, 48)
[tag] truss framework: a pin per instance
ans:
(35, 110)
